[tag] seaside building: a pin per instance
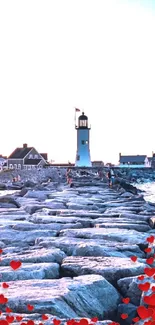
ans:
(134, 161)
(83, 151)
(26, 158)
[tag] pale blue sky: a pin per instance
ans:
(96, 55)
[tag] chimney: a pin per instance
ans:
(25, 145)
(119, 156)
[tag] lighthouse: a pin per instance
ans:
(83, 151)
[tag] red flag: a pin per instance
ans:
(77, 109)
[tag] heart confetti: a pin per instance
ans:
(126, 300)
(30, 307)
(44, 317)
(143, 312)
(10, 319)
(124, 316)
(15, 265)
(19, 318)
(149, 271)
(5, 285)
(144, 286)
(3, 300)
(150, 260)
(148, 250)
(150, 239)
(133, 258)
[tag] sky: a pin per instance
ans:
(97, 55)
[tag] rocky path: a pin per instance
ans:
(77, 248)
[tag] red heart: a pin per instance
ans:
(3, 300)
(150, 300)
(124, 316)
(153, 288)
(58, 322)
(136, 319)
(5, 285)
(149, 271)
(8, 310)
(94, 320)
(143, 312)
(134, 258)
(148, 250)
(30, 307)
(30, 322)
(44, 317)
(10, 319)
(150, 239)
(3, 322)
(15, 264)
(150, 260)
(141, 277)
(83, 321)
(144, 287)
(69, 322)
(19, 318)
(1, 251)
(126, 300)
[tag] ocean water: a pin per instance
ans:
(2, 193)
(149, 191)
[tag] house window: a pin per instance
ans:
(15, 166)
(78, 157)
(11, 166)
(19, 166)
(30, 156)
(35, 156)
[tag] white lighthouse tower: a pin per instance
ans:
(83, 151)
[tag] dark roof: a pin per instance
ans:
(34, 162)
(83, 117)
(132, 159)
(62, 165)
(44, 155)
(20, 153)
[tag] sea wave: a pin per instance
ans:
(149, 191)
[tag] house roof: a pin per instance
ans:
(132, 159)
(34, 162)
(44, 155)
(20, 153)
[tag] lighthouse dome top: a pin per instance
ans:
(83, 117)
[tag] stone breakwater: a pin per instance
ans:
(75, 246)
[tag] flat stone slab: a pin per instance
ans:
(112, 234)
(111, 268)
(84, 296)
(42, 255)
(11, 236)
(30, 271)
(89, 247)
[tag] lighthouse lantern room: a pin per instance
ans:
(83, 151)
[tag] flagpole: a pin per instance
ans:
(75, 118)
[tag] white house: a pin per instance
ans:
(134, 161)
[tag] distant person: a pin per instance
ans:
(112, 177)
(109, 177)
(68, 175)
